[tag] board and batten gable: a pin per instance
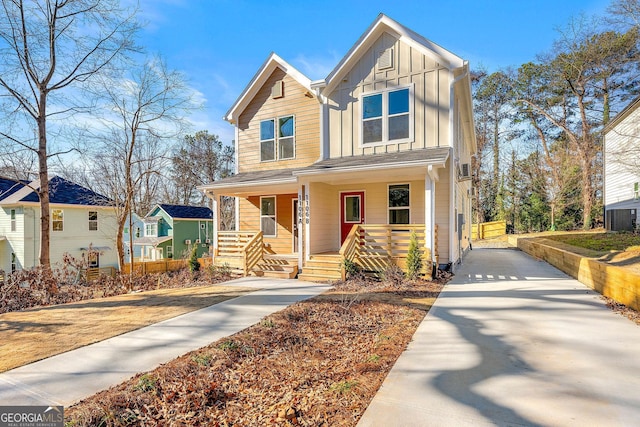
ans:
(429, 83)
(622, 160)
(297, 101)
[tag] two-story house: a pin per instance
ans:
(172, 231)
(346, 167)
(622, 169)
(82, 224)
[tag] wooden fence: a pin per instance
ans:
(488, 230)
(162, 265)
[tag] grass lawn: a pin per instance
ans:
(34, 334)
(600, 242)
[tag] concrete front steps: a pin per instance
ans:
(322, 268)
(277, 267)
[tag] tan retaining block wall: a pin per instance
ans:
(612, 281)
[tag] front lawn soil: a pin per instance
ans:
(316, 363)
(34, 334)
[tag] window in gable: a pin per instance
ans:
(386, 117)
(277, 139)
(399, 204)
(267, 140)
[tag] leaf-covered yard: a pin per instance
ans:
(318, 362)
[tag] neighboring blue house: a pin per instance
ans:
(171, 231)
(137, 225)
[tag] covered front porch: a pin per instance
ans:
(373, 247)
(313, 219)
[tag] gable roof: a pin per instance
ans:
(626, 111)
(10, 186)
(259, 79)
(186, 212)
(61, 192)
(384, 24)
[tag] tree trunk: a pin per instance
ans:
(43, 192)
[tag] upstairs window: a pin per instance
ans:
(277, 139)
(13, 220)
(93, 220)
(386, 117)
(399, 204)
(151, 229)
(57, 219)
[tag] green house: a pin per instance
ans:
(171, 232)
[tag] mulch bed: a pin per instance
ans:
(316, 363)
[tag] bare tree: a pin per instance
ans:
(49, 50)
(129, 148)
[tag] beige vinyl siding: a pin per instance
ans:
(430, 83)
(621, 149)
(324, 232)
(325, 209)
(442, 213)
(250, 220)
(297, 102)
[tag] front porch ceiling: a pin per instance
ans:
(369, 176)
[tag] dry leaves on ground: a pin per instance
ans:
(316, 363)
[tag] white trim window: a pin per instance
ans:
(387, 117)
(57, 219)
(14, 262)
(277, 139)
(151, 229)
(268, 223)
(93, 220)
(14, 225)
(399, 204)
(93, 259)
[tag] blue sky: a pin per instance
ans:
(220, 44)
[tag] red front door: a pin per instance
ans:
(351, 212)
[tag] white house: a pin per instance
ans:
(80, 219)
(622, 169)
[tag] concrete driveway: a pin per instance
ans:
(512, 341)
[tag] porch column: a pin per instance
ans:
(429, 213)
(301, 229)
(215, 207)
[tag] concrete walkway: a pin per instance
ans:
(512, 341)
(72, 376)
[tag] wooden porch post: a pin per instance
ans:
(215, 208)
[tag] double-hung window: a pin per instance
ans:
(268, 216)
(387, 117)
(277, 139)
(151, 229)
(57, 219)
(399, 204)
(93, 220)
(13, 220)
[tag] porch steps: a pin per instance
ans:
(277, 267)
(322, 268)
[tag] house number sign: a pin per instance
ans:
(306, 209)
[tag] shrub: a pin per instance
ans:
(393, 275)
(414, 257)
(352, 269)
(194, 264)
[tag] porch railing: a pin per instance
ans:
(240, 250)
(375, 247)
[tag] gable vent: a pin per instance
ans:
(277, 91)
(385, 59)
